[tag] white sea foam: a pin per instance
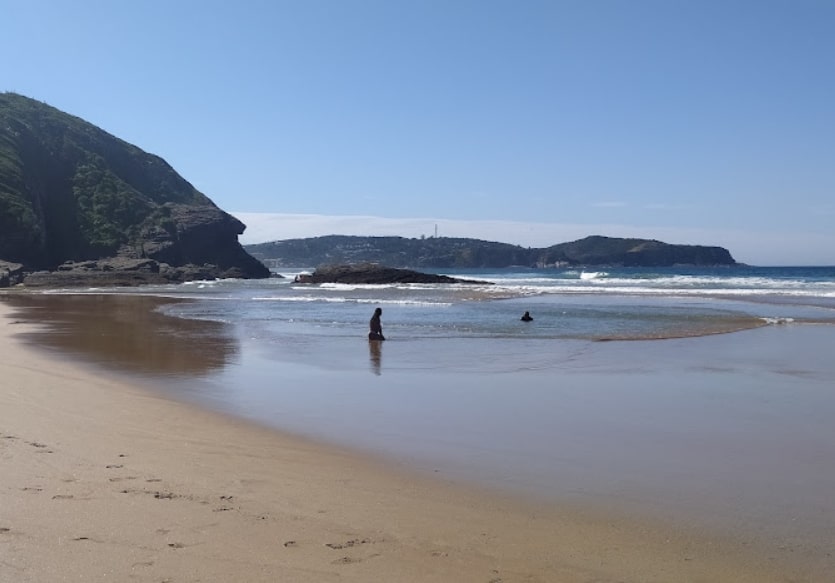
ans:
(354, 286)
(702, 285)
(301, 299)
(343, 300)
(403, 302)
(778, 321)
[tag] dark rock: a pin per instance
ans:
(10, 274)
(122, 271)
(90, 278)
(368, 273)
(198, 235)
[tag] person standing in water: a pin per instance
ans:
(526, 317)
(376, 327)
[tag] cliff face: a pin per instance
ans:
(71, 192)
(455, 252)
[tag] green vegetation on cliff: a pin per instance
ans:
(70, 191)
(460, 252)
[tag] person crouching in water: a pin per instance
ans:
(376, 328)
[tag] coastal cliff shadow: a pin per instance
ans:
(126, 333)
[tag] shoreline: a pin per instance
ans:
(104, 480)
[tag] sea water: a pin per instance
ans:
(728, 430)
(619, 303)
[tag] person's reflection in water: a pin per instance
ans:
(375, 352)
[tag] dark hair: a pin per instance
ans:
(378, 311)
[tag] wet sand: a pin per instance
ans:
(103, 480)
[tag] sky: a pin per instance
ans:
(527, 122)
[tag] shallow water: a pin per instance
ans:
(566, 304)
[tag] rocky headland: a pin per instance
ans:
(79, 206)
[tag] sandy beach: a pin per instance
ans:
(102, 480)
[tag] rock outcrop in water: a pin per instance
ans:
(89, 208)
(368, 273)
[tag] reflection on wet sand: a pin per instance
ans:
(126, 333)
(375, 351)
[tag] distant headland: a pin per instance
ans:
(450, 252)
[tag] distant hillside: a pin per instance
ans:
(70, 191)
(598, 250)
(454, 252)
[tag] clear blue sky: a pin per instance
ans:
(705, 121)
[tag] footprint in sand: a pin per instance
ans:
(348, 544)
(143, 564)
(121, 479)
(63, 497)
(41, 446)
(224, 508)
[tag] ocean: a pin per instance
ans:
(698, 395)
(623, 304)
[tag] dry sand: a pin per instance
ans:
(103, 481)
